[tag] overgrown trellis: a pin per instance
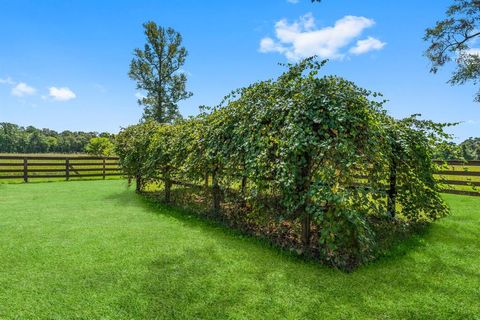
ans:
(320, 148)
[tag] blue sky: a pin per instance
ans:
(64, 64)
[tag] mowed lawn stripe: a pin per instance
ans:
(95, 249)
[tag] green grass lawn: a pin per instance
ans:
(96, 250)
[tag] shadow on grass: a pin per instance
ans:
(204, 284)
(201, 221)
(186, 286)
(242, 276)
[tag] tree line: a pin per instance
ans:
(18, 139)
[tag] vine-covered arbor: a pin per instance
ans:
(311, 157)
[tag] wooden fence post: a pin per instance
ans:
(215, 192)
(25, 169)
(103, 168)
(67, 169)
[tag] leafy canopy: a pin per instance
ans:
(157, 71)
(453, 39)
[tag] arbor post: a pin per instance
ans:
(392, 191)
(244, 190)
(168, 185)
(138, 180)
(302, 188)
(306, 229)
(215, 192)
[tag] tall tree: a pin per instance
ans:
(453, 38)
(157, 71)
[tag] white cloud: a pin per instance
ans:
(293, 1)
(269, 45)
(22, 89)
(61, 94)
(302, 38)
(367, 45)
(8, 81)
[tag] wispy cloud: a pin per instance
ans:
(293, 1)
(7, 80)
(367, 45)
(23, 89)
(475, 122)
(302, 38)
(19, 89)
(61, 94)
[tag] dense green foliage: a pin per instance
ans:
(95, 250)
(470, 149)
(99, 146)
(131, 146)
(157, 71)
(301, 141)
(17, 139)
(454, 38)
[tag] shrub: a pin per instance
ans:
(99, 147)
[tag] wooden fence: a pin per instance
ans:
(460, 177)
(16, 167)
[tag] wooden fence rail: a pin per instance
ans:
(60, 167)
(460, 173)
